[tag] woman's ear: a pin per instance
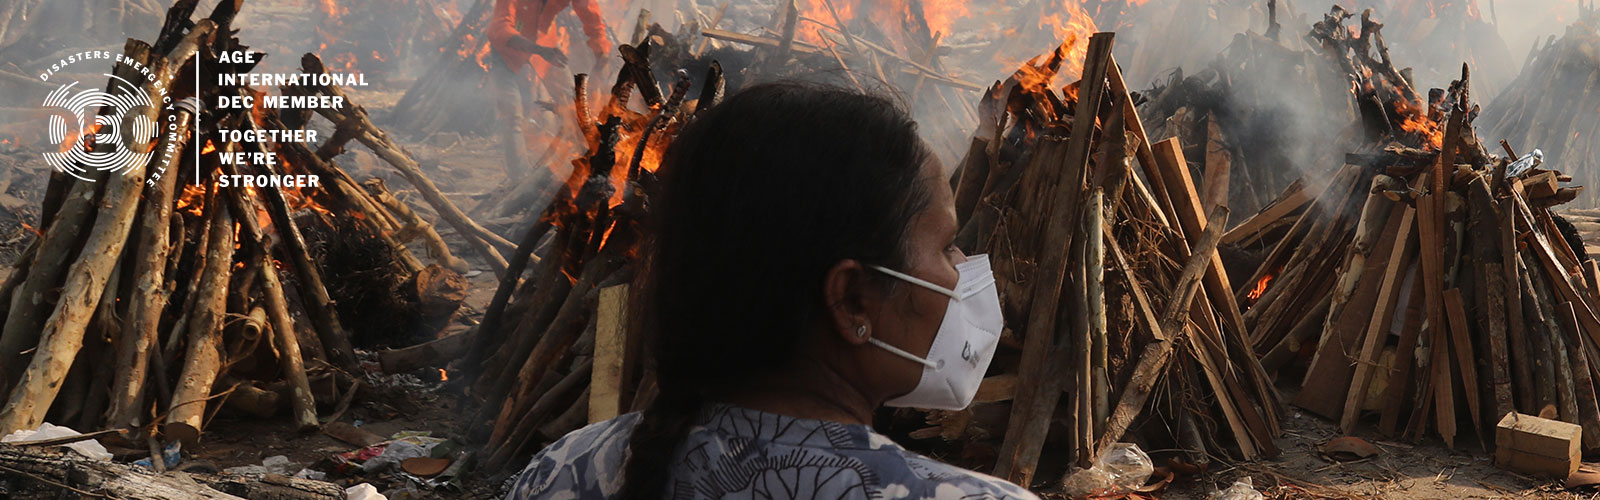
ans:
(851, 299)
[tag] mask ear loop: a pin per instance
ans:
(918, 281)
(898, 352)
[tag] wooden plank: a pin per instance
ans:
(1430, 226)
(1294, 198)
(611, 356)
(1400, 374)
(1219, 165)
(1032, 410)
(1186, 203)
(1461, 337)
(996, 389)
(1378, 328)
(1144, 152)
(1541, 185)
(1333, 362)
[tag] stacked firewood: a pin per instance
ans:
(1377, 290)
(1552, 105)
(153, 298)
(537, 367)
(553, 357)
(1253, 105)
(1138, 299)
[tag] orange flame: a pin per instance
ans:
(1261, 287)
(1416, 121)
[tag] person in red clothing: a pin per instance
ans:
(513, 29)
(517, 23)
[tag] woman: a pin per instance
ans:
(801, 274)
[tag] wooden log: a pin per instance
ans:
(563, 330)
(570, 419)
(1543, 361)
(543, 302)
(483, 240)
(1030, 414)
(1229, 335)
(1483, 215)
(32, 301)
(1588, 410)
(1219, 166)
(520, 258)
(1144, 152)
(1430, 225)
(62, 333)
(1373, 252)
(969, 177)
(1515, 322)
(433, 353)
(247, 399)
(141, 325)
(203, 363)
(1098, 368)
(330, 330)
(411, 223)
(65, 473)
(284, 339)
(538, 413)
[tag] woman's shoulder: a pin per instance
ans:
(584, 462)
(924, 477)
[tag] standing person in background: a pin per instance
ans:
(514, 27)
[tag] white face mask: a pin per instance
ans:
(965, 342)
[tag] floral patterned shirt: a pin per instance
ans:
(739, 453)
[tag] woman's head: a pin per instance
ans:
(773, 207)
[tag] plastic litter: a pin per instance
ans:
(393, 454)
(1242, 489)
(88, 447)
(276, 464)
(363, 491)
(1525, 163)
(169, 457)
(1121, 469)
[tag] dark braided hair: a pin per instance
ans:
(760, 197)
